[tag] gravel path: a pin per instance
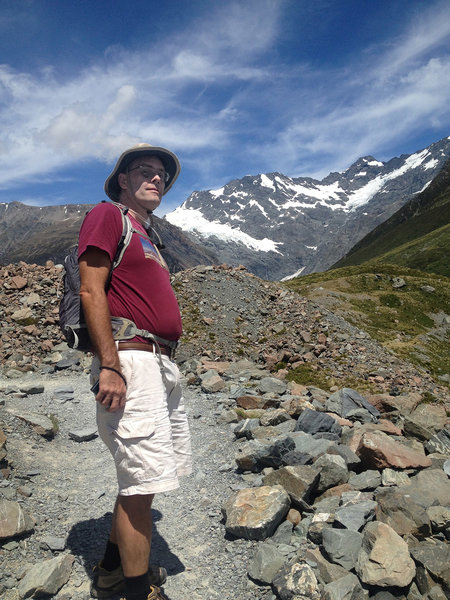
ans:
(73, 487)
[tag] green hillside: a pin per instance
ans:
(416, 236)
(428, 253)
(409, 320)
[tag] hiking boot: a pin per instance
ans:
(156, 594)
(106, 583)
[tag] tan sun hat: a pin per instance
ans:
(168, 159)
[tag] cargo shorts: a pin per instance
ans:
(149, 438)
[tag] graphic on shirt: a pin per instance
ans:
(150, 251)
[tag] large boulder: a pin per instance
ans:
(377, 450)
(47, 577)
(13, 520)
(255, 513)
(384, 558)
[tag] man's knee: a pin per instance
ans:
(136, 502)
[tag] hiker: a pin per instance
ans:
(140, 411)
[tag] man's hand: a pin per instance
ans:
(95, 266)
(112, 391)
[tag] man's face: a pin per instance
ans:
(143, 184)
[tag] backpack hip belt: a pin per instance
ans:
(124, 329)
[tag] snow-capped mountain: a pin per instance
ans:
(280, 227)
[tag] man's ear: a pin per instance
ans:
(122, 181)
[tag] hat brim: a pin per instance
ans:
(168, 158)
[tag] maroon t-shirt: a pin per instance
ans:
(140, 287)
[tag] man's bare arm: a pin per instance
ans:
(94, 271)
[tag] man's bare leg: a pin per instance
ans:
(132, 532)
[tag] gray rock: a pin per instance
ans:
(367, 480)
(447, 467)
(356, 516)
(346, 400)
(255, 513)
(13, 520)
(391, 477)
(351, 459)
(325, 571)
(398, 282)
(275, 416)
(257, 454)
(342, 546)
(312, 421)
(272, 385)
(333, 471)
(399, 509)
(53, 543)
(384, 558)
(430, 487)
(434, 556)
(283, 533)
(244, 428)
(211, 382)
(300, 532)
(345, 588)
(304, 442)
(437, 593)
(300, 482)
(41, 424)
(439, 517)
(265, 564)
(83, 435)
(296, 582)
(32, 388)
(67, 363)
(294, 458)
(440, 442)
(46, 577)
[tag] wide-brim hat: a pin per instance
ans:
(168, 159)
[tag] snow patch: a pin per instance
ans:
(192, 220)
(217, 193)
(430, 164)
(368, 191)
(258, 206)
(375, 163)
(296, 274)
(266, 182)
(311, 247)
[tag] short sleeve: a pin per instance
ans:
(101, 228)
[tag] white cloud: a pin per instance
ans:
(218, 93)
(48, 124)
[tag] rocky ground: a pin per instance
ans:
(302, 488)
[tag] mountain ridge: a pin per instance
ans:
(279, 226)
(411, 226)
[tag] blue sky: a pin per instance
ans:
(234, 88)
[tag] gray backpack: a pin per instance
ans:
(71, 317)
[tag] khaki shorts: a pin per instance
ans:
(148, 439)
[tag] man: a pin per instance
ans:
(140, 412)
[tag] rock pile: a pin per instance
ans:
(341, 449)
(347, 496)
(29, 307)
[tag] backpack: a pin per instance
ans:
(71, 317)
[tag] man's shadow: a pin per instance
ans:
(87, 539)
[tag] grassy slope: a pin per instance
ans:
(414, 235)
(400, 318)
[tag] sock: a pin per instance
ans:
(137, 588)
(111, 560)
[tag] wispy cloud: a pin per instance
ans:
(220, 94)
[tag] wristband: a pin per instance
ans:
(115, 371)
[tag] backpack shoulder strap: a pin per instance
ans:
(124, 241)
